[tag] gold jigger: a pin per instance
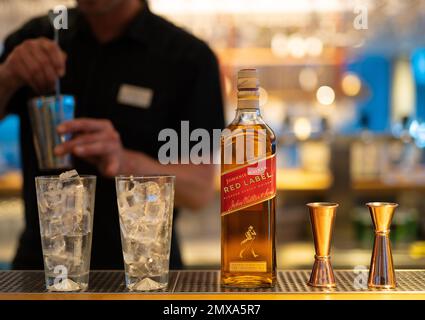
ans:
(381, 272)
(322, 217)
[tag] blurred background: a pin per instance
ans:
(343, 87)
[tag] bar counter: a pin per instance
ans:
(205, 285)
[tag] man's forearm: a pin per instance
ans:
(7, 89)
(194, 183)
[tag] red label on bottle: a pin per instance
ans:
(248, 185)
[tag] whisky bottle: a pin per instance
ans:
(248, 193)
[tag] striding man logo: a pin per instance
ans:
(248, 243)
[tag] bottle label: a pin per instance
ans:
(248, 266)
(248, 185)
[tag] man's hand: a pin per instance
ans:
(94, 140)
(37, 63)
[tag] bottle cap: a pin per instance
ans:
(248, 79)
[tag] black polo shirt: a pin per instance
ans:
(179, 70)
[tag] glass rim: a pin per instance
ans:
(376, 204)
(50, 97)
(56, 177)
(322, 204)
(152, 176)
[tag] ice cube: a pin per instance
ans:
(74, 202)
(135, 251)
(53, 226)
(70, 178)
(153, 191)
(58, 245)
(137, 269)
(141, 252)
(139, 191)
(130, 199)
(154, 211)
(132, 196)
(147, 231)
(54, 245)
(160, 246)
(146, 284)
(68, 174)
(54, 186)
(156, 264)
(129, 222)
(53, 260)
(51, 200)
(73, 198)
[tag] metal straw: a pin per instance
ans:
(58, 101)
(57, 83)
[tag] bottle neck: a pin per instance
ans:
(248, 116)
(248, 99)
(248, 113)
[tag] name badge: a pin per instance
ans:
(135, 96)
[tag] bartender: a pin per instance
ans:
(112, 46)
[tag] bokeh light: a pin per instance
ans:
(351, 84)
(314, 46)
(325, 95)
(296, 46)
(302, 128)
(279, 45)
(308, 79)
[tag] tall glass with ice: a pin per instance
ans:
(65, 207)
(145, 207)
